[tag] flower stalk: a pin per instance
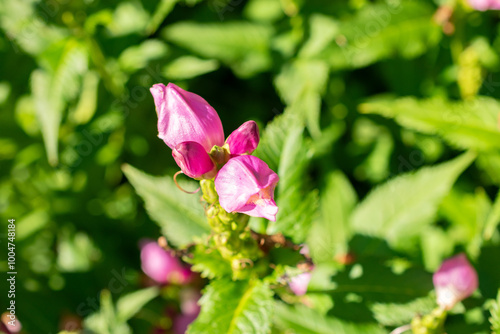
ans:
(231, 234)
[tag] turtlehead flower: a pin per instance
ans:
(298, 284)
(243, 140)
(184, 116)
(161, 266)
(454, 281)
(246, 184)
(193, 160)
(483, 5)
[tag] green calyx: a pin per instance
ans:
(231, 234)
(432, 323)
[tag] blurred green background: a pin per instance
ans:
(75, 106)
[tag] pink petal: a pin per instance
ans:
(246, 184)
(454, 281)
(298, 284)
(184, 116)
(193, 160)
(483, 5)
(158, 264)
(244, 140)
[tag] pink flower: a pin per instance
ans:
(190, 310)
(298, 284)
(454, 281)
(244, 140)
(483, 5)
(246, 184)
(158, 264)
(184, 116)
(193, 160)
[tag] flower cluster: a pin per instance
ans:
(193, 130)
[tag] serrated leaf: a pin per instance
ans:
(231, 307)
(495, 315)
(392, 314)
(400, 209)
(330, 233)
(381, 31)
(467, 124)
(128, 305)
(243, 46)
(180, 215)
(300, 319)
(208, 262)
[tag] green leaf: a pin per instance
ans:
(243, 46)
(467, 124)
(495, 315)
(180, 215)
(164, 8)
(400, 209)
(87, 103)
(49, 113)
(128, 18)
(376, 32)
(232, 307)
(136, 57)
(493, 219)
(330, 233)
(128, 305)
(394, 314)
(64, 63)
(188, 67)
(208, 262)
(300, 319)
(296, 207)
(301, 85)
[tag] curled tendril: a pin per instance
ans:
(245, 263)
(180, 188)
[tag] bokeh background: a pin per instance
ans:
(75, 106)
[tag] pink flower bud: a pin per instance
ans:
(193, 160)
(244, 140)
(298, 284)
(184, 116)
(483, 5)
(161, 266)
(246, 184)
(454, 281)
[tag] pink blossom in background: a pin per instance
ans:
(483, 5)
(299, 283)
(244, 140)
(161, 266)
(246, 184)
(454, 281)
(193, 160)
(184, 116)
(189, 310)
